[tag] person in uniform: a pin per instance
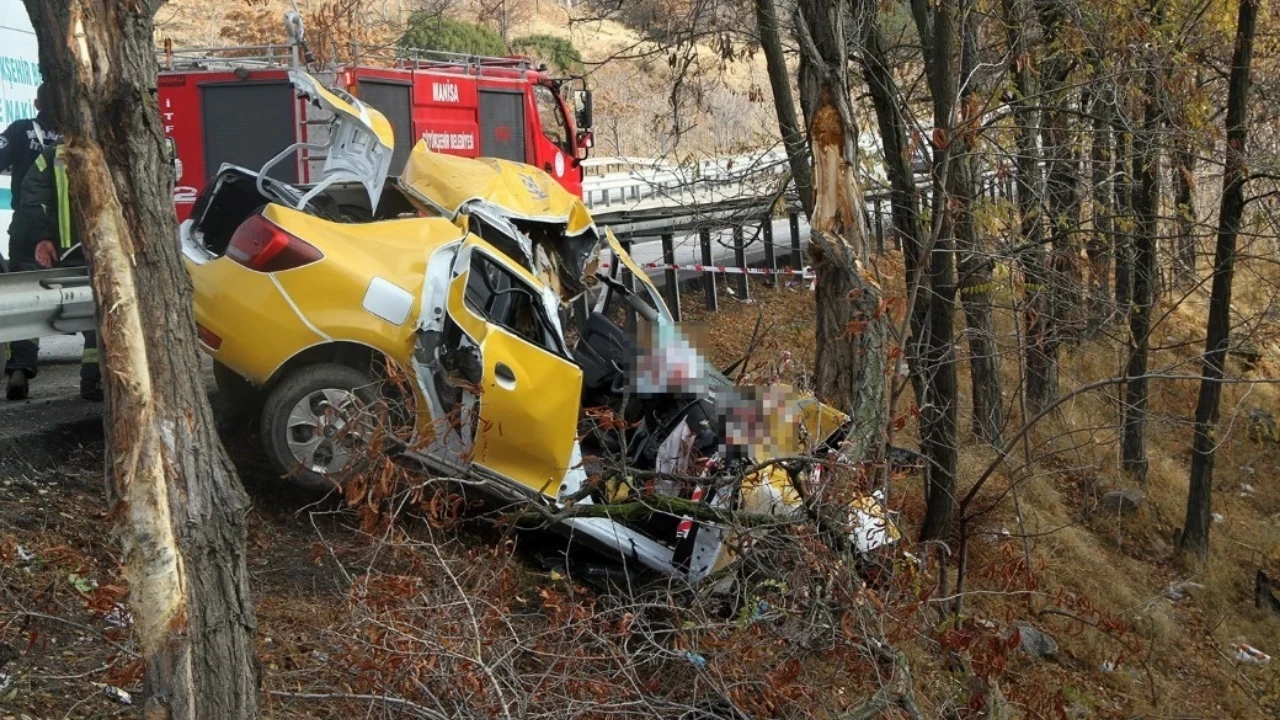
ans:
(21, 143)
(44, 235)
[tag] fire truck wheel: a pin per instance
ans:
(315, 425)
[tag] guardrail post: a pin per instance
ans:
(793, 219)
(879, 227)
(740, 259)
(770, 253)
(708, 278)
(673, 276)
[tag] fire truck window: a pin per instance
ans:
(551, 116)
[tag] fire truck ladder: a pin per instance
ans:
(249, 57)
(45, 302)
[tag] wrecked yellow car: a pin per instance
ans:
(474, 281)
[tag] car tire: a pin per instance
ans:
(238, 397)
(325, 400)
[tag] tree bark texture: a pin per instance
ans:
(974, 266)
(1124, 222)
(904, 196)
(851, 329)
(1146, 207)
(1184, 184)
(178, 507)
(938, 364)
(793, 137)
(1099, 248)
(1038, 370)
(1061, 275)
(1195, 533)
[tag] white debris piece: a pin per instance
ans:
(1178, 590)
(1246, 653)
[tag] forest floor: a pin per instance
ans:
(1138, 634)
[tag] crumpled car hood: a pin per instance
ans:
(561, 241)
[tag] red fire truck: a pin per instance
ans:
(235, 105)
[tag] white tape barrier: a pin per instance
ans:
(804, 273)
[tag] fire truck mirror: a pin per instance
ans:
(586, 141)
(582, 101)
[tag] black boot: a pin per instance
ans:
(91, 390)
(17, 388)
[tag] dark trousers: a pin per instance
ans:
(24, 355)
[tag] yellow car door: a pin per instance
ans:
(529, 391)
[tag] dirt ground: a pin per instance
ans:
(1100, 583)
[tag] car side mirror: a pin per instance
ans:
(585, 117)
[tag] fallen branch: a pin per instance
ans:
(638, 510)
(419, 710)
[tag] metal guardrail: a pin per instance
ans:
(45, 302)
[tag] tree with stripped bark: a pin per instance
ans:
(178, 507)
(851, 327)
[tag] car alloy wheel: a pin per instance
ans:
(323, 430)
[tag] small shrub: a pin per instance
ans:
(430, 32)
(557, 52)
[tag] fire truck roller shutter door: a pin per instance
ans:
(247, 124)
(395, 100)
(502, 125)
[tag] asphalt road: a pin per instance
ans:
(39, 428)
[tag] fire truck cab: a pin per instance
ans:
(235, 105)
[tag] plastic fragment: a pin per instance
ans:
(1246, 653)
(117, 694)
(695, 658)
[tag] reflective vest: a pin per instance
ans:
(62, 195)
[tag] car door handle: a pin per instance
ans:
(506, 378)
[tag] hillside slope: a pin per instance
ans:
(722, 107)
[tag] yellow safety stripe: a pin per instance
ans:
(64, 202)
(90, 356)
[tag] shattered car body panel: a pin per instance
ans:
(459, 277)
(552, 228)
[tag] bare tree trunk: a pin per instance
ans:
(1195, 532)
(1145, 267)
(938, 412)
(851, 330)
(1185, 206)
(793, 138)
(1124, 223)
(974, 265)
(904, 197)
(178, 506)
(1100, 244)
(1030, 203)
(1061, 274)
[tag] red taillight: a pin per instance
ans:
(210, 340)
(261, 245)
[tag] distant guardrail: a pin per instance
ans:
(622, 180)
